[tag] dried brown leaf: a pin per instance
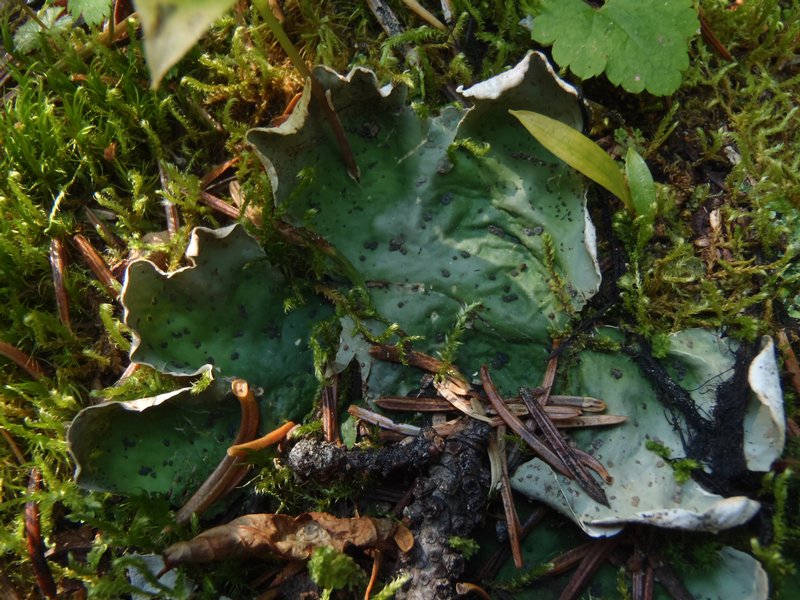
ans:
(292, 538)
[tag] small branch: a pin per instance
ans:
(564, 451)
(98, 266)
(330, 407)
(596, 555)
(58, 264)
(33, 539)
(22, 360)
(173, 221)
(424, 14)
(230, 471)
(512, 520)
(219, 205)
(519, 427)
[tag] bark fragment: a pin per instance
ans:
(448, 501)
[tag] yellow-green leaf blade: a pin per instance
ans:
(578, 151)
(172, 27)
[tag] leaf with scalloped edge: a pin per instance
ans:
(640, 44)
(464, 207)
(644, 488)
(224, 312)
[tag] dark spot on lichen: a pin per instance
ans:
(445, 273)
(144, 471)
(495, 230)
(510, 298)
(446, 198)
(371, 245)
(499, 360)
(396, 244)
(616, 373)
(465, 254)
(242, 311)
(128, 443)
(234, 356)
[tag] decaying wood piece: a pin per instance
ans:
(288, 537)
(323, 461)
(448, 501)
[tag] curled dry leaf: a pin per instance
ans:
(293, 538)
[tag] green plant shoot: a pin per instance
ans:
(579, 152)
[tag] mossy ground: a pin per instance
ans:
(80, 129)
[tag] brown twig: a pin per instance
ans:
(230, 471)
(421, 361)
(272, 438)
(498, 559)
(330, 407)
(109, 237)
(98, 266)
(18, 456)
(22, 360)
(219, 205)
(33, 539)
(377, 561)
(565, 452)
(512, 520)
(464, 588)
(789, 360)
(711, 39)
(519, 427)
(58, 264)
(216, 171)
(668, 578)
(596, 554)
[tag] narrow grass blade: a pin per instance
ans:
(578, 151)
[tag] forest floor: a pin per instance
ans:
(99, 169)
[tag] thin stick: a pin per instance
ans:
(216, 171)
(424, 14)
(98, 266)
(793, 369)
(512, 519)
(109, 237)
(272, 438)
(330, 406)
(33, 539)
(564, 451)
(20, 458)
(22, 360)
(377, 561)
(596, 555)
(381, 421)
(464, 588)
(230, 471)
(421, 361)
(219, 205)
(58, 264)
(519, 427)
